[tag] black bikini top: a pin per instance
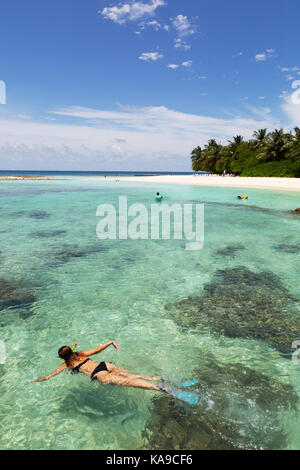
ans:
(76, 369)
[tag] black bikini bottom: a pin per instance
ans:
(100, 368)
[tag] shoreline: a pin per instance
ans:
(287, 184)
(271, 183)
(25, 178)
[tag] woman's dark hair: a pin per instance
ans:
(65, 352)
(157, 194)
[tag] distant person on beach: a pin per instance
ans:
(103, 372)
(159, 197)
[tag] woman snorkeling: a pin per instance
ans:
(104, 372)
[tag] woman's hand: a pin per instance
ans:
(41, 379)
(116, 346)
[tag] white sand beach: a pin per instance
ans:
(292, 184)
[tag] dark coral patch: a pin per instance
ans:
(25, 314)
(241, 304)
(288, 248)
(39, 215)
(229, 251)
(239, 409)
(49, 234)
(69, 252)
(13, 296)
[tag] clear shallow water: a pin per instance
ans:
(119, 290)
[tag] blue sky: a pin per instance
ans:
(101, 85)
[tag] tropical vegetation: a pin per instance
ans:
(274, 153)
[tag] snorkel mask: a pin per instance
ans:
(72, 349)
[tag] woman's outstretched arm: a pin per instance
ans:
(100, 348)
(58, 371)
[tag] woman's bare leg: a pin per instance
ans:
(113, 378)
(126, 373)
(138, 376)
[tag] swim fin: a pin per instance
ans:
(188, 383)
(191, 398)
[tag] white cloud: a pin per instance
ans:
(105, 139)
(23, 116)
(183, 26)
(267, 54)
(291, 105)
(150, 56)
(154, 24)
(187, 64)
(289, 69)
(261, 57)
(131, 11)
(156, 120)
(181, 44)
(196, 77)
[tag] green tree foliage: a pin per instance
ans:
(197, 160)
(275, 153)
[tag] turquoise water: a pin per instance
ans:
(89, 291)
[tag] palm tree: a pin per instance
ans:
(294, 145)
(235, 144)
(260, 137)
(275, 147)
(197, 159)
(212, 153)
